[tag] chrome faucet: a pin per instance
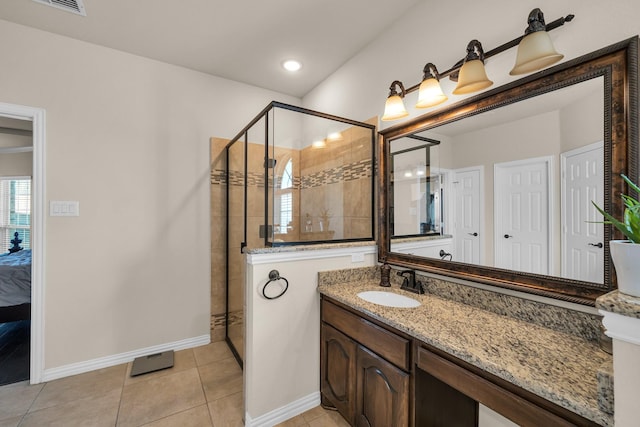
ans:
(409, 282)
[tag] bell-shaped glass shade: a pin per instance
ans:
(394, 108)
(430, 93)
(472, 78)
(535, 52)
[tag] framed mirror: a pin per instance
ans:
(497, 188)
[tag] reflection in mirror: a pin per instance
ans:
(520, 180)
(517, 180)
(416, 188)
(417, 203)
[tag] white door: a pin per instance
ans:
(468, 232)
(582, 237)
(522, 202)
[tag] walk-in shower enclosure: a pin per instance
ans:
(294, 177)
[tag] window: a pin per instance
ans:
(15, 212)
(286, 197)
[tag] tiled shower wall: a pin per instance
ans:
(218, 238)
(336, 180)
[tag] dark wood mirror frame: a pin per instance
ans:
(618, 64)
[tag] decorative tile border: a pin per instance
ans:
(218, 320)
(350, 172)
(218, 176)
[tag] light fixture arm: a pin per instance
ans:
(430, 71)
(474, 51)
(392, 89)
(536, 22)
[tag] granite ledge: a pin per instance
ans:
(423, 238)
(556, 366)
(619, 303)
(307, 247)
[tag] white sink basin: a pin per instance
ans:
(389, 299)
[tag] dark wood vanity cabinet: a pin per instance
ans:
(376, 376)
(338, 371)
(382, 392)
(364, 369)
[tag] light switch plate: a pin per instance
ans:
(64, 208)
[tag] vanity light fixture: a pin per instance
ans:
(472, 76)
(394, 107)
(535, 52)
(430, 93)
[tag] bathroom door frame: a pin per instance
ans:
(37, 117)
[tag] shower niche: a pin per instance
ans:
(294, 177)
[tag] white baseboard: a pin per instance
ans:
(284, 413)
(117, 359)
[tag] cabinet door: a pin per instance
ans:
(382, 392)
(338, 371)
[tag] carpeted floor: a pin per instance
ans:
(14, 351)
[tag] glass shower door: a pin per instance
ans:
(236, 238)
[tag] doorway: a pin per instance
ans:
(582, 232)
(37, 118)
(469, 212)
(522, 200)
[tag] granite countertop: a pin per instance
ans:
(619, 303)
(559, 367)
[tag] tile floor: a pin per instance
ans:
(204, 388)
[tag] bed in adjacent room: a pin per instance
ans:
(15, 286)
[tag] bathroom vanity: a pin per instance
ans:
(434, 364)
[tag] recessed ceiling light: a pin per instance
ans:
(292, 65)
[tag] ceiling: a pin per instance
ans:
(241, 40)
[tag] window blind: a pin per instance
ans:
(15, 212)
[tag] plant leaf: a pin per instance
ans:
(631, 184)
(622, 227)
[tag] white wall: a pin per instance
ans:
(15, 164)
(282, 337)
(128, 138)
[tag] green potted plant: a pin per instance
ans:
(626, 253)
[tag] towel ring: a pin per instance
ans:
(274, 276)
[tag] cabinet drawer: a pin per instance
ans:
(385, 343)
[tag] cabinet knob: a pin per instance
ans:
(506, 236)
